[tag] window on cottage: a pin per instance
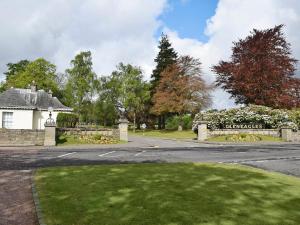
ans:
(7, 120)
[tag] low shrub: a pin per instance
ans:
(67, 120)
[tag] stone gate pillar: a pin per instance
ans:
(287, 134)
(202, 131)
(50, 130)
(123, 129)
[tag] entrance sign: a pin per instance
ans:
(244, 126)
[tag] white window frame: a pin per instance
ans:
(7, 120)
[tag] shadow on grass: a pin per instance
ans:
(167, 194)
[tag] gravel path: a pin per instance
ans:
(16, 203)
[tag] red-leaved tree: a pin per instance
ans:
(261, 71)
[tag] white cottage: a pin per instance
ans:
(28, 108)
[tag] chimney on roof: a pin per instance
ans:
(50, 93)
(33, 86)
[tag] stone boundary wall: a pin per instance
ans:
(296, 136)
(114, 133)
(286, 133)
(20, 137)
(269, 132)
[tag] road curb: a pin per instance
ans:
(36, 201)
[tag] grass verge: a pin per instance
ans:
(185, 134)
(176, 194)
(244, 138)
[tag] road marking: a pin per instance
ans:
(66, 154)
(154, 146)
(260, 161)
(137, 154)
(107, 153)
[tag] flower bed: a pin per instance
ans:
(65, 139)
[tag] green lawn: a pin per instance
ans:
(247, 138)
(185, 134)
(167, 194)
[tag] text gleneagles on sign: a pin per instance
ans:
(244, 126)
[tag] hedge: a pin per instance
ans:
(68, 120)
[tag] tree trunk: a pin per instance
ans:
(180, 125)
(134, 117)
(163, 122)
(159, 122)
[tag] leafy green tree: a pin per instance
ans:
(23, 73)
(106, 113)
(166, 56)
(82, 82)
(13, 69)
(128, 91)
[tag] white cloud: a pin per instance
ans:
(234, 19)
(114, 30)
(123, 30)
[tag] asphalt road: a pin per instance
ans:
(284, 158)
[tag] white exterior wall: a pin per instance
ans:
(22, 119)
(40, 117)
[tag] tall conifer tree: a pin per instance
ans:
(166, 57)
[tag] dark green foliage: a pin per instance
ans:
(166, 56)
(106, 113)
(172, 123)
(24, 72)
(13, 69)
(67, 120)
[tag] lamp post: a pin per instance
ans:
(50, 130)
(50, 121)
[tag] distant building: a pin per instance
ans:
(28, 108)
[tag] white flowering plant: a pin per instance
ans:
(251, 114)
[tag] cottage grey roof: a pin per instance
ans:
(26, 99)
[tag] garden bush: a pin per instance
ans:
(270, 118)
(172, 123)
(67, 120)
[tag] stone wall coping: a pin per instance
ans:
(244, 130)
(25, 130)
(286, 127)
(84, 129)
(202, 122)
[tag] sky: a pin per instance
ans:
(128, 31)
